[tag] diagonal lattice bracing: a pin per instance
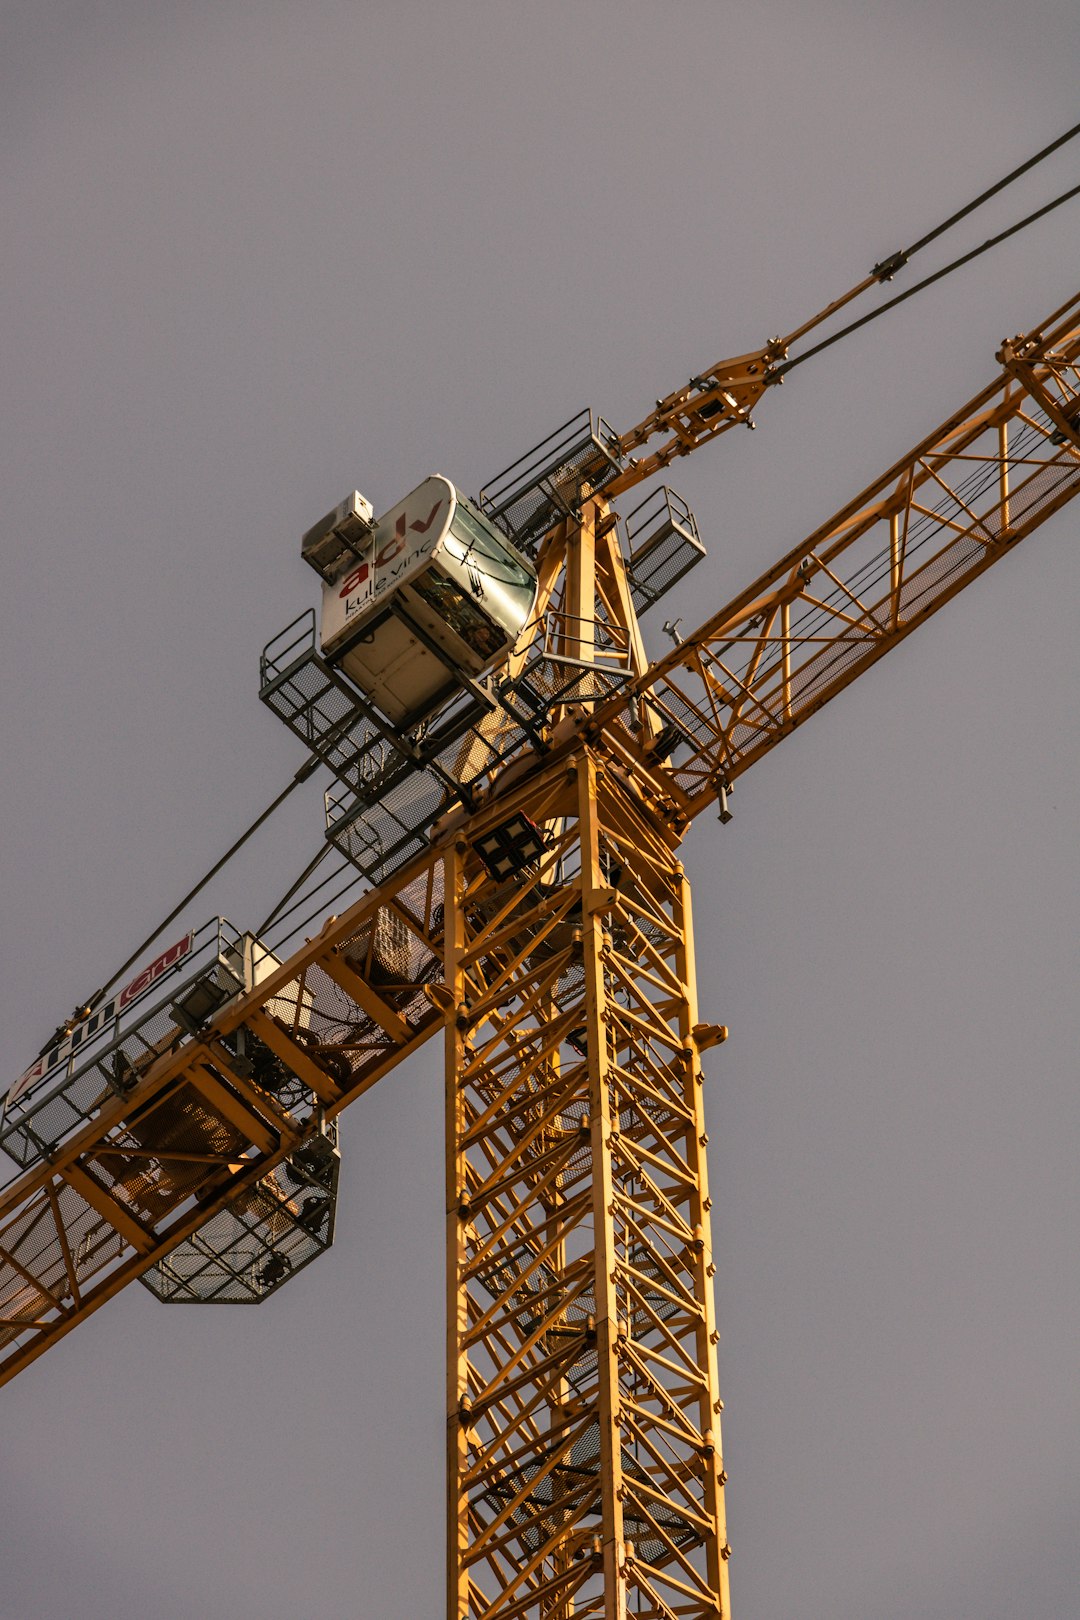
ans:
(586, 1476)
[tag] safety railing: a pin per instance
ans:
(104, 1056)
(547, 483)
(664, 545)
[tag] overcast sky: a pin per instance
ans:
(256, 255)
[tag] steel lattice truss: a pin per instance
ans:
(862, 582)
(583, 1365)
(196, 1137)
(584, 1448)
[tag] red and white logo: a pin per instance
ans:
(402, 541)
(390, 549)
(100, 1018)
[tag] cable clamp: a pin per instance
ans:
(888, 267)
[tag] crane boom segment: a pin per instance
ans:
(862, 582)
(191, 1134)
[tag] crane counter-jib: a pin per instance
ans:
(222, 1108)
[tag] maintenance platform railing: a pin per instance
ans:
(263, 1238)
(103, 1057)
(392, 785)
(662, 535)
(546, 483)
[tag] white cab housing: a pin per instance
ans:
(437, 593)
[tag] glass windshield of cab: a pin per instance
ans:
(497, 577)
(462, 616)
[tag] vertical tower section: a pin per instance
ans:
(585, 1466)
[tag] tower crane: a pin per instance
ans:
(513, 778)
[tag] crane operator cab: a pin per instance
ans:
(417, 599)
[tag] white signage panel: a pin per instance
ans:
(103, 1015)
(402, 541)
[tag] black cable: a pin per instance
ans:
(889, 267)
(287, 896)
(306, 770)
(927, 281)
(277, 939)
(992, 192)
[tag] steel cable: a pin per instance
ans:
(82, 1011)
(965, 258)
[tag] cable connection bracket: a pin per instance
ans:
(890, 266)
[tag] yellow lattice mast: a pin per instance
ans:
(583, 1410)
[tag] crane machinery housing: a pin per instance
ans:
(512, 779)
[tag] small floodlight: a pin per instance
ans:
(510, 848)
(201, 1001)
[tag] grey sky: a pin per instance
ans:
(258, 254)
